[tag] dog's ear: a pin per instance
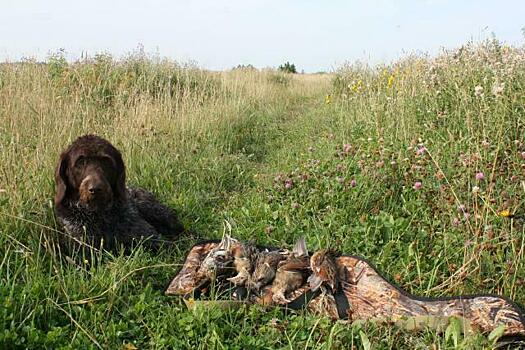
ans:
(61, 179)
(120, 187)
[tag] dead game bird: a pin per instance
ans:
(243, 261)
(265, 267)
(324, 305)
(218, 261)
(291, 273)
(324, 271)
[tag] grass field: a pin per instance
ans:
(407, 165)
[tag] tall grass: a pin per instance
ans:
(384, 162)
(456, 116)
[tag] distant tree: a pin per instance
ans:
(245, 67)
(288, 68)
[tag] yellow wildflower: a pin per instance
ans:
(505, 214)
(356, 87)
(390, 81)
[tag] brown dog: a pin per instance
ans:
(94, 205)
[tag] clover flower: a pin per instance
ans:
(478, 91)
(421, 150)
(497, 89)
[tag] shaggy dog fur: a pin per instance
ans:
(96, 208)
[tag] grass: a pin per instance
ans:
(277, 158)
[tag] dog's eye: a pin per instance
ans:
(80, 162)
(107, 162)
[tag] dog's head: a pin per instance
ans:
(90, 174)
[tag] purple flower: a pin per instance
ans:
(347, 147)
(421, 150)
(523, 155)
(353, 183)
(462, 208)
(417, 185)
(480, 176)
(288, 184)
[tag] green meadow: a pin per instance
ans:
(413, 165)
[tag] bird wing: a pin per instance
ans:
(294, 264)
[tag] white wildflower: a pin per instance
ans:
(478, 91)
(497, 89)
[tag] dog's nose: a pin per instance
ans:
(93, 189)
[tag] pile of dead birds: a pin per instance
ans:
(329, 284)
(278, 272)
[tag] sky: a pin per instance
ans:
(314, 35)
